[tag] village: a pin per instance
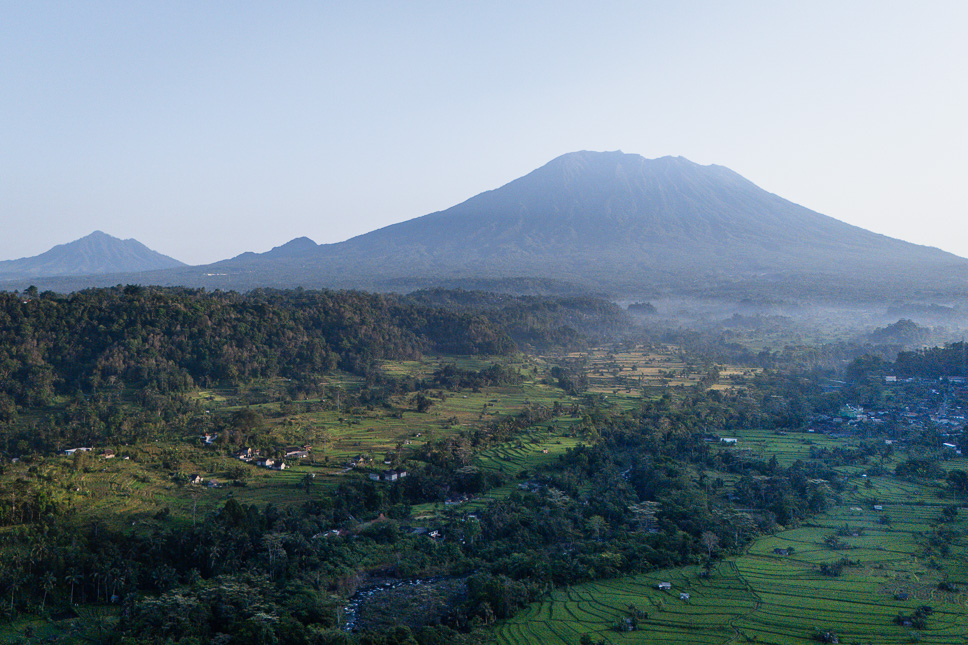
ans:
(900, 409)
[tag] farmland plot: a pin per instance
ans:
(766, 597)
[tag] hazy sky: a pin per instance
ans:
(205, 129)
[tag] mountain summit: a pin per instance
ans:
(609, 222)
(634, 225)
(94, 254)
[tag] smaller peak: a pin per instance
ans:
(297, 245)
(300, 241)
(101, 236)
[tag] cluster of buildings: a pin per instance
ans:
(667, 586)
(198, 480)
(388, 475)
(930, 406)
(250, 455)
(107, 453)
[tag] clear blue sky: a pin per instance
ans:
(205, 129)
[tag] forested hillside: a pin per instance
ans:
(538, 322)
(168, 340)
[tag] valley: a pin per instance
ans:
(344, 480)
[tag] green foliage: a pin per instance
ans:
(169, 339)
(934, 362)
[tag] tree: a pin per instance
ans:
(710, 540)
(47, 582)
(958, 479)
(72, 578)
(422, 402)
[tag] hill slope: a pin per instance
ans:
(97, 253)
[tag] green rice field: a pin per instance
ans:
(763, 597)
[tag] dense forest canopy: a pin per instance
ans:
(934, 362)
(171, 339)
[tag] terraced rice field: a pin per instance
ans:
(707, 617)
(787, 447)
(628, 372)
(764, 597)
(539, 447)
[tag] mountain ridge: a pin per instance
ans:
(591, 215)
(615, 223)
(93, 254)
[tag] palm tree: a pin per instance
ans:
(73, 577)
(48, 582)
(14, 584)
(213, 554)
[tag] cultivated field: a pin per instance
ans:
(764, 597)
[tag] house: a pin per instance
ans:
(683, 596)
(213, 483)
(70, 451)
(246, 454)
(195, 479)
(280, 465)
(210, 438)
(878, 507)
(265, 463)
(781, 551)
(665, 586)
(330, 533)
(297, 453)
(729, 440)
(388, 475)
(108, 454)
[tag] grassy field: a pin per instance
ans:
(129, 492)
(787, 447)
(132, 491)
(629, 372)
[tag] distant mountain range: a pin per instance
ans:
(610, 222)
(97, 253)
